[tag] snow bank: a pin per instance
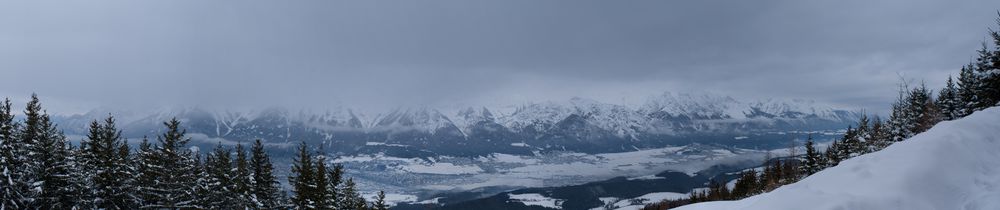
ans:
(638, 202)
(535, 199)
(955, 165)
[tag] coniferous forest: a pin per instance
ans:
(42, 169)
(915, 110)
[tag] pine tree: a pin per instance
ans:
(145, 177)
(812, 160)
(242, 181)
(53, 184)
(303, 181)
(335, 177)
(26, 166)
(880, 136)
(900, 118)
(265, 185)
(851, 144)
(132, 197)
(324, 197)
(746, 185)
(857, 140)
(864, 135)
(991, 77)
(104, 154)
(174, 171)
(81, 183)
(205, 198)
(923, 111)
(832, 155)
(948, 101)
(968, 85)
(221, 189)
(351, 198)
(12, 188)
(379, 203)
(988, 74)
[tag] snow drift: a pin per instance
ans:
(955, 165)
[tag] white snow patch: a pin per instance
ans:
(443, 168)
(646, 177)
(641, 201)
(391, 199)
(429, 201)
(535, 199)
(519, 144)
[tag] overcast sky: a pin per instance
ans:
(83, 54)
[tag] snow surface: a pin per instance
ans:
(535, 199)
(391, 199)
(954, 165)
(539, 170)
(638, 202)
(443, 168)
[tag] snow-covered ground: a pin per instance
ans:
(411, 176)
(955, 165)
(391, 199)
(535, 199)
(638, 202)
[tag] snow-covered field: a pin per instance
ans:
(955, 165)
(638, 202)
(535, 199)
(413, 176)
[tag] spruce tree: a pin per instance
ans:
(54, 183)
(968, 85)
(335, 176)
(900, 118)
(379, 203)
(26, 166)
(881, 137)
(12, 188)
(851, 144)
(105, 156)
(81, 185)
(324, 197)
(174, 171)
(205, 198)
(351, 198)
(988, 74)
(922, 110)
(265, 185)
(746, 185)
(991, 77)
(949, 102)
(832, 155)
(220, 185)
(242, 180)
(145, 177)
(812, 160)
(304, 192)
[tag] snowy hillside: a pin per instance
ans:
(576, 124)
(954, 165)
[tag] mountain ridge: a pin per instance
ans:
(577, 124)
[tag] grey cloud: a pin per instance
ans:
(443, 52)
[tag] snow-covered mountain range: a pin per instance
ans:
(576, 124)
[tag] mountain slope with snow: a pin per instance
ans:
(955, 165)
(577, 124)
